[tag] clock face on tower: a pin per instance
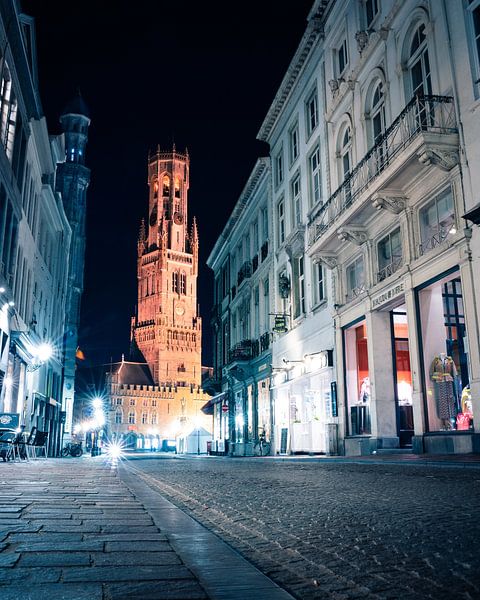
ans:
(179, 309)
(177, 218)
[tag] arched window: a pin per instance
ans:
(345, 154)
(377, 113)
(175, 282)
(183, 283)
(418, 64)
(177, 187)
(155, 189)
(166, 185)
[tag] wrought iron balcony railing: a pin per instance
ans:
(389, 269)
(433, 114)
(241, 351)
(438, 238)
(245, 272)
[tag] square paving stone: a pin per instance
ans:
(156, 590)
(128, 528)
(45, 536)
(126, 537)
(60, 528)
(54, 591)
(125, 546)
(105, 574)
(54, 559)
(135, 558)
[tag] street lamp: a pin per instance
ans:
(98, 421)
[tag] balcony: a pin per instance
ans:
(423, 135)
(245, 272)
(389, 269)
(241, 351)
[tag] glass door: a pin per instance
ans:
(402, 377)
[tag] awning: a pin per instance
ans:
(207, 408)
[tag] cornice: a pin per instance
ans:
(313, 32)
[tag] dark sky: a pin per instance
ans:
(200, 73)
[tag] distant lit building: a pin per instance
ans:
(167, 329)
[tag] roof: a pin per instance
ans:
(132, 373)
(76, 106)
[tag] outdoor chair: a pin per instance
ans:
(38, 442)
(7, 448)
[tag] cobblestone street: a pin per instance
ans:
(336, 531)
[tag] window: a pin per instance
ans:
(294, 143)
(312, 113)
(264, 224)
(315, 177)
(377, 114)
(266, 304)
(342, 58)
(166, 185)
(318, 283)
(279, 168)
(119, 401)
(131, 418)
(154, 403)
(118, 417)
(281, 221)
(389, 254)
(154, 419)
(473, 14)
(437, 221)
(299, 286)
(8, 108)
(255, 236)
(144, 418)
(177, 188)
(345, 155)
(355, 278)
(371, 11)
(418, 64)
(256, 314)
(296, 201)
(183, 283)
(132, 401)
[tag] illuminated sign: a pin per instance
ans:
(388, 295)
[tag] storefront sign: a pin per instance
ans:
(10, 420)
(280, 325)
(333, 391)
(388, 295)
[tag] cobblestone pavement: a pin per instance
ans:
(337, 531)
(70, 529)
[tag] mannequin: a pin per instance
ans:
(443, 374)
(364, 391)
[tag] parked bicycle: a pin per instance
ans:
(73, 449)
(261, 447)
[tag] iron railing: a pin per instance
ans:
(436, 239)
(389, 269)
(245, 272)
(433, 114)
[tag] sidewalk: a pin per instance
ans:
(73, 529)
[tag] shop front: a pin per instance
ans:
(444, 362)
(303, 405)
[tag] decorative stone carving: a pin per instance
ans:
(355, 234)
(361, 38)
(439, 158)
(284, 286)
(329, 260)
(351, 83)
(394, 204)
(334, 86)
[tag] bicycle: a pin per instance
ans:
(73, 449)
(261, 446)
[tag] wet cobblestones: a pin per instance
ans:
(339, 532)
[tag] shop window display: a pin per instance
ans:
(445, 360)
(357, 379)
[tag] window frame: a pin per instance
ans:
(395, 260)
(296, 199)
(319, 287)
(473, 41)
(375, 13)
(360, 286)
(279, 168)
(282, 229)
(315, 174)
(342, 49)
(441, 232)
(294, 142)
(312, 118)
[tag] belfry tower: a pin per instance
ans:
(167, 329)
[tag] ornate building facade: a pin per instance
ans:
(167, 329)
(161, 398)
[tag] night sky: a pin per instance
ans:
(201, 74)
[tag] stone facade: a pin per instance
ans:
(167, 328)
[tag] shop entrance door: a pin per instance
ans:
(402, 374)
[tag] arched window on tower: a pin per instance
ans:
(177, 187)
(175, 282)
(183, 283)
(155, 189)
(166, 185)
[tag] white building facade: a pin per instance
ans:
(35, 242)
(375, 272)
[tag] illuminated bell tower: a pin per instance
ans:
(167, 328)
